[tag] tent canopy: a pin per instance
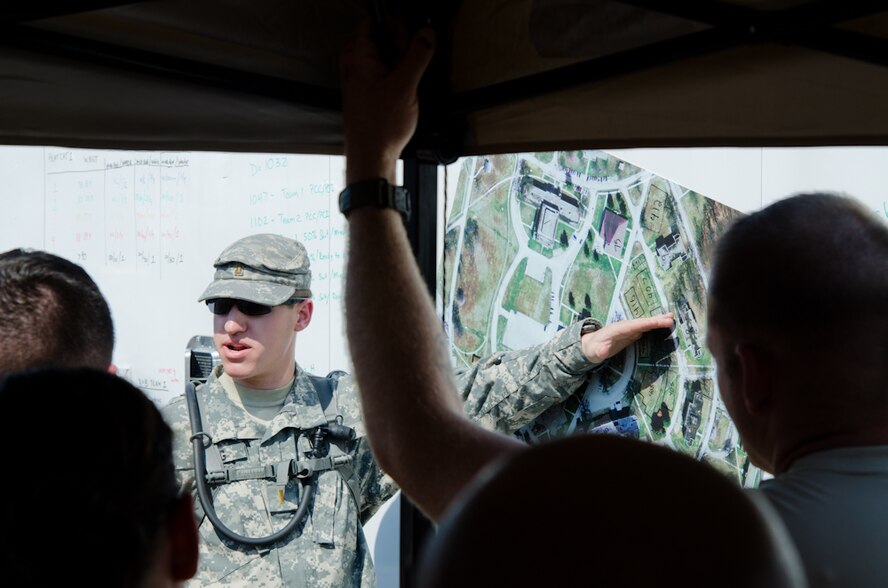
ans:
(509, 75)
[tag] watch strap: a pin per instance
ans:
(377, 193)
(590, 325)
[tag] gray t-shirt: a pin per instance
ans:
(261, 405)
(834, 504)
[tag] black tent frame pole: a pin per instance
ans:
(421, 179)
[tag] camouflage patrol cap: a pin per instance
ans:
(266, 269)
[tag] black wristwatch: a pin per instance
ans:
(376, 192)
(590, 325)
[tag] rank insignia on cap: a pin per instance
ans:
(239, 271)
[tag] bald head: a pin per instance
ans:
(810, 255)
(810, 275)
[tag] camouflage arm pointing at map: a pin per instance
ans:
(414, 417)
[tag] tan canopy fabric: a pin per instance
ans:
(511, 75)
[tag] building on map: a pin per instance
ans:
(568, 207)
(688, 320)
(539, 191)
(545, 223)
(693, 413)
(613, 232)
(668, 249)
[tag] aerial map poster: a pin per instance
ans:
(537, 241)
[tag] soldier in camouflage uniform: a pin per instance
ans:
(260, 408)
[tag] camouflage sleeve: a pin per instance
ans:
(175, 413)
(507, 390)
(375, 486)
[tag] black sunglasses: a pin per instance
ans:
(223, 306)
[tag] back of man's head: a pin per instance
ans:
(596, 510)
(808, 275)
(90, 489)
(51, 314)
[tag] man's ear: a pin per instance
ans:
(306, 309)
(756, 377)
(183, 540)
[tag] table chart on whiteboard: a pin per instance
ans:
(148, 225)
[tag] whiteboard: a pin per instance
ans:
(147, 226)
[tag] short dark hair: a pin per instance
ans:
(51, 314)
(93, 479)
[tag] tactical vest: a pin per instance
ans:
(237, 461)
